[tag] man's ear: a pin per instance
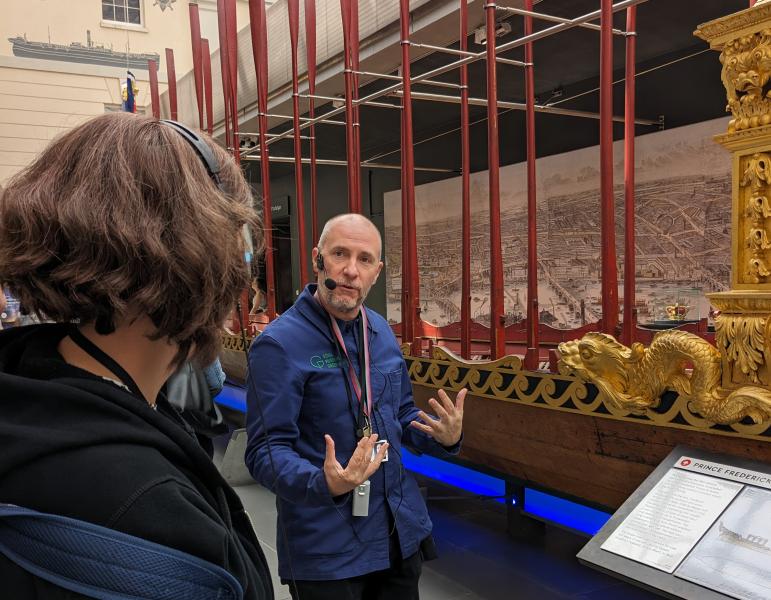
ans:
(379, 268)
(314, 254)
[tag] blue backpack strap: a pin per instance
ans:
(103, 563)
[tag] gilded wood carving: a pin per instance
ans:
(752, 219)
(576, 394)
(635, 378)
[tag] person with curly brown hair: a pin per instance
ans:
(124, 236)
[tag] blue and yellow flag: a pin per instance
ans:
(129, 90)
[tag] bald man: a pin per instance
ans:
(330, 410)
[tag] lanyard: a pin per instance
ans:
(363, 394)
(105, 360)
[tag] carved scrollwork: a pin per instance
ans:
(635, 378)
(742, 340)
(758, 207)
(757, 172)
(232, 341)
(510, 363)
(572, 393)
(757, 270)
(755, 179)
(746, 71)
(758, 240)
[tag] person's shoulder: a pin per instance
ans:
(381, 326)
(377, 320)
(292, 326)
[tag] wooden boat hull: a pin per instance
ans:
(592, 458)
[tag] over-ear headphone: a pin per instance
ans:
(206, 154)
(202, 149)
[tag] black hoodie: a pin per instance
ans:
(77, 445)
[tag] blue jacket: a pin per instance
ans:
(297, 375)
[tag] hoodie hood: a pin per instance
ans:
(78, 445)
(49, 406)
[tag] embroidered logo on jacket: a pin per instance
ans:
(326, 360)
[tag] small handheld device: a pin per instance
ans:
(376, 449)
(361, 500)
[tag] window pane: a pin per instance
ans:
(134, 16)
(120, 14)
(108, 12)
(133, 4)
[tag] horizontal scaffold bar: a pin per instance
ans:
(552, 18)
(559, 27)
(555, 110)
(342, 163)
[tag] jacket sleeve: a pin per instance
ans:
(414, 438)
(274, 398)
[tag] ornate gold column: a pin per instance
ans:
(743, 327)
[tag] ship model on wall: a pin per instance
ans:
(90, 53)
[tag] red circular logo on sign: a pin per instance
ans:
(685, 462)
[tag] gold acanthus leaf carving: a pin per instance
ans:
(758, 240)
(746, 70)
(742, 340)
(758, 208)
(634, 378)
(757, 173)
(757, 269)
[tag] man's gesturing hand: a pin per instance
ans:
(359, 468)
(447, 426)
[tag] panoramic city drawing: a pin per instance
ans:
(682, 231)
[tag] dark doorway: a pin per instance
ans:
(282, 242)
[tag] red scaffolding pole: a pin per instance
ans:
(230, 141)
(532, 355)
(630, 311)
(195, 40)
(155, 100)
(497, 331)
(354, 35)
(406, 327)
(259, 31)
(293, 7)
(465, 299)
(231, 31)
(410, 312)
(310, 47)
(171, 76)
(607, 197)
(207, 85)
(354, 197)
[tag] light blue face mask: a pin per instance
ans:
(248, 244)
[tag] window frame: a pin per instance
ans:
(123, 4)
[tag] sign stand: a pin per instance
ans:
(698, 527)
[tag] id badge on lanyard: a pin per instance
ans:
(363, 392)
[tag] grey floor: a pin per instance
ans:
(478, 559)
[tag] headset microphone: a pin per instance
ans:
(329, 283)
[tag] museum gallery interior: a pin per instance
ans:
(571, 198)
